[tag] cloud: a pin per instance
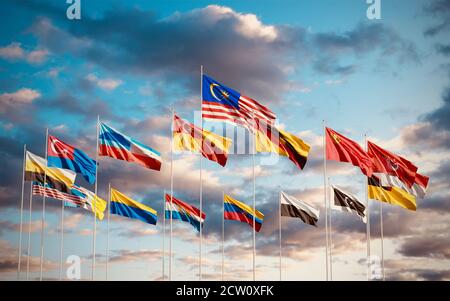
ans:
(147, 255)
(430, 246)
(15, 52)
(108, 84)
(8, 260)
(440, 117)
(443, 49)
(19, 98)
(243, 52)
(440, 11)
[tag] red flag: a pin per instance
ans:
(421, 180)
(340, 148)
(392, 164)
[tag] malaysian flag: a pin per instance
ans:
(221, 103)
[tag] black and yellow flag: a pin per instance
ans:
(270, 139)
(391, 194)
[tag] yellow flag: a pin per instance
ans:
(36, 169)
(187, 136)
(391, 194)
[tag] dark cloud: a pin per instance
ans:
(440, 117)
(443, 49)
(440, 11)
(429, 246)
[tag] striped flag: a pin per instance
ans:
(238, 211)
(185, 212)
(121, 147)
(224, 104)
(292, 207)
(78, 197)
(50, 192)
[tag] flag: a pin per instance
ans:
(36, 169)
(78, 197)
(185, 212)
(125, 206)
(418, 189)
(292, 207)
(221, 103)
(392, 164)
(186, 136)
(69, 199)
(238, 211)
(121, 147)
(340, 148)
(344, 201)
(271, 139)
(92, 202)
(390, 194)
(63, 155)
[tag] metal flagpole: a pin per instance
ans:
(254, 203)
(107, 229)
(29, 230)
(61, 251)
(93, 203)
(164, 237)
(368, 218)
(171, 196)
(279, 226)
(19, 255)
(331, 237)
(201, 183)
(43, 212)
(325, 196)
(223, 234)
(382, 243)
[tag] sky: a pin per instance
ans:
(132, 62)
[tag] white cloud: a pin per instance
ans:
(108, 84)
(20, 97)
(14, 52)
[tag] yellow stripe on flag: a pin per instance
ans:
(118, 197)
(394, 196)
(245, 207)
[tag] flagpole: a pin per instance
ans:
(279, 226)
(325, 196)
(201, 183)
(107, 229)
(223, 234)
(254, 203)
(382, 243)
(19, 255)
(61, 251)
(171, 197)
(368, 217)
(93, 203)
(164, 237)
(43, 212)
(29, 230)
(331, 237)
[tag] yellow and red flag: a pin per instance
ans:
(187, 136)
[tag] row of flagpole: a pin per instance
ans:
(328, 248)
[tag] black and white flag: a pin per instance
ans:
(292, 207)
(344, 201)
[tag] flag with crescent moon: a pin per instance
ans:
(223, 104)
(63, 155)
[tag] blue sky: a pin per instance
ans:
(130, 62)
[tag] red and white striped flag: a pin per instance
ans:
(221, 103)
